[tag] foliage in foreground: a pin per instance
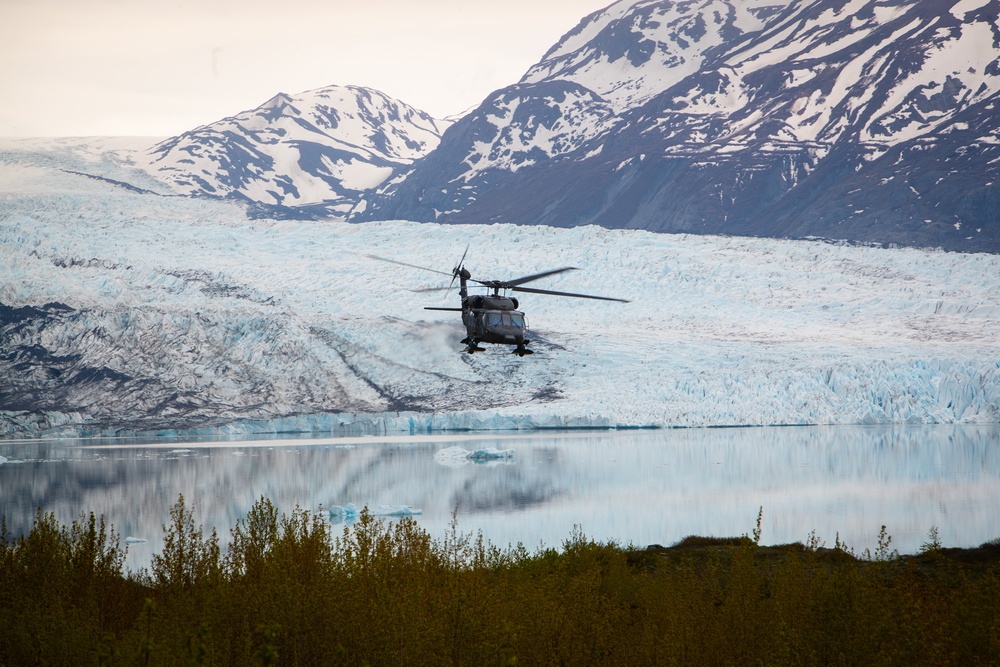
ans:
(290, 591)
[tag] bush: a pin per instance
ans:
(291, 591)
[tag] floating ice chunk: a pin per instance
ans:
(180, 451)
(348, 511)
(135, 540)
(3, 459)
(396, 510)
(456, 456)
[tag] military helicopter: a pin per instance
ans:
(494, 317)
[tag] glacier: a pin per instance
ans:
(125, 308)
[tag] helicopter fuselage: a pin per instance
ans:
(493, 319)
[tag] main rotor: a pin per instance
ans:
(514, 284)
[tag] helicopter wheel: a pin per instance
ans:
(521, 350)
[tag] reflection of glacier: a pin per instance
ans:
(123, 309)
(632, 486)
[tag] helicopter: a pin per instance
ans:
(494, 317)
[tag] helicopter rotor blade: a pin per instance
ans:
(578, 296)
(536, 276)
(431, 289)
(458, 267)
(412, 266)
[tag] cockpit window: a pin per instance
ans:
(517, 321)
(493, 319)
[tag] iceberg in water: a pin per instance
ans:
(396, 510)
(456, 456)
(135, 540)
(350, 512)
(343, 513)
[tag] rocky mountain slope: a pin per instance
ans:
(310, 154)
(865, 120)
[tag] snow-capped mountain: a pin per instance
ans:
(125, 309)
(633, 50)
(867, 120)
(315, 152)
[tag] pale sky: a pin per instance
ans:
(161, 67)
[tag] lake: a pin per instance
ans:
(640, 487)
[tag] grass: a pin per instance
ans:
(289, 590)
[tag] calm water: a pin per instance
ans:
(639, 487)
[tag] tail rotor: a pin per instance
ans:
(458, 268)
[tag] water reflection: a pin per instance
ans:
(637, 487)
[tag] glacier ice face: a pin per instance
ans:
(126, 310)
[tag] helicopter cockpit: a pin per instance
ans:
(505, 319)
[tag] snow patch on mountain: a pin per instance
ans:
(632, 51)
(512, 133)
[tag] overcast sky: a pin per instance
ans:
(161, 67)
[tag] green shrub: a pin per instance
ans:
(289, 591)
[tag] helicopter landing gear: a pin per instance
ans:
(521, 350)
(473, 346)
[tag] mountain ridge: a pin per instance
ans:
(868, 121)
(860, 88)
(315, 151)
